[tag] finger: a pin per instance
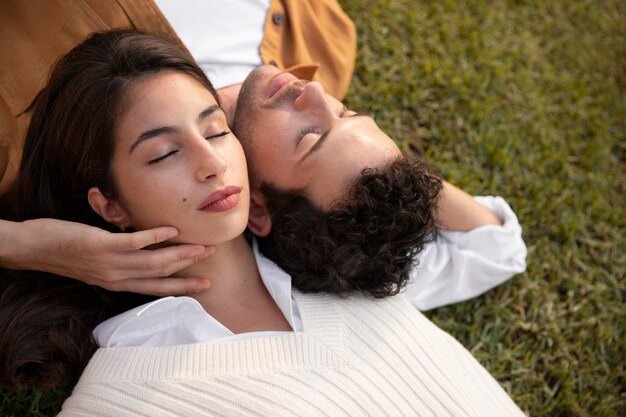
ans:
(162, 262)
(162, 287)
(143, 238)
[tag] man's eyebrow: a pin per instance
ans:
(164, 130)
(324, 136)
(359, 115)
(317, 145)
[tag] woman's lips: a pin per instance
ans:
(221, 200)
(279, 81)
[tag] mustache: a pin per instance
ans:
(288, 94)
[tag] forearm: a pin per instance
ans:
(115, 261)
(12, 234)
(464, 264)
(457, 210)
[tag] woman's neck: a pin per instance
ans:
(238, 297)
(231, 266)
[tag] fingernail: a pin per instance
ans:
(209, 250)
(171, 232)
(198, 251)
(203, 285)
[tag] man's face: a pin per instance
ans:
(297, 137)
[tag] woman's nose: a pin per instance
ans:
(207, 159)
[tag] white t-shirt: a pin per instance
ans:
(456, 267)
(222, 36)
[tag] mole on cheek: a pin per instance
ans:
(184, 199)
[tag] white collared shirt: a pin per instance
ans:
(456, 267)
(174, 321)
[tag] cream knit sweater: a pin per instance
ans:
(355, 357)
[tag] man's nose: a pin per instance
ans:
(312, 98)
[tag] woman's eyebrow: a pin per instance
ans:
(152, 133)
(208, 111)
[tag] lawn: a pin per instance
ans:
(527, 100)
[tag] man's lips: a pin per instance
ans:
(278, 82)
(221, 200)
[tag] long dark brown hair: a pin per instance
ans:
(46, 321)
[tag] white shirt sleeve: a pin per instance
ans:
(462, 265)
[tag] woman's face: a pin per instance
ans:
(175, 162)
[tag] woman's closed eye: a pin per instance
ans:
(218, 135)
(162, 157)
(172, 152)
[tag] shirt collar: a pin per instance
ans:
(278, 283)
(180, 320)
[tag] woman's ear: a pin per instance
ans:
(260, 220)
(110, 210)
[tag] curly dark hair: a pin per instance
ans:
(367, 243)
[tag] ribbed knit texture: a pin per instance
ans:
(355, 357)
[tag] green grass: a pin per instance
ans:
(524, 99)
